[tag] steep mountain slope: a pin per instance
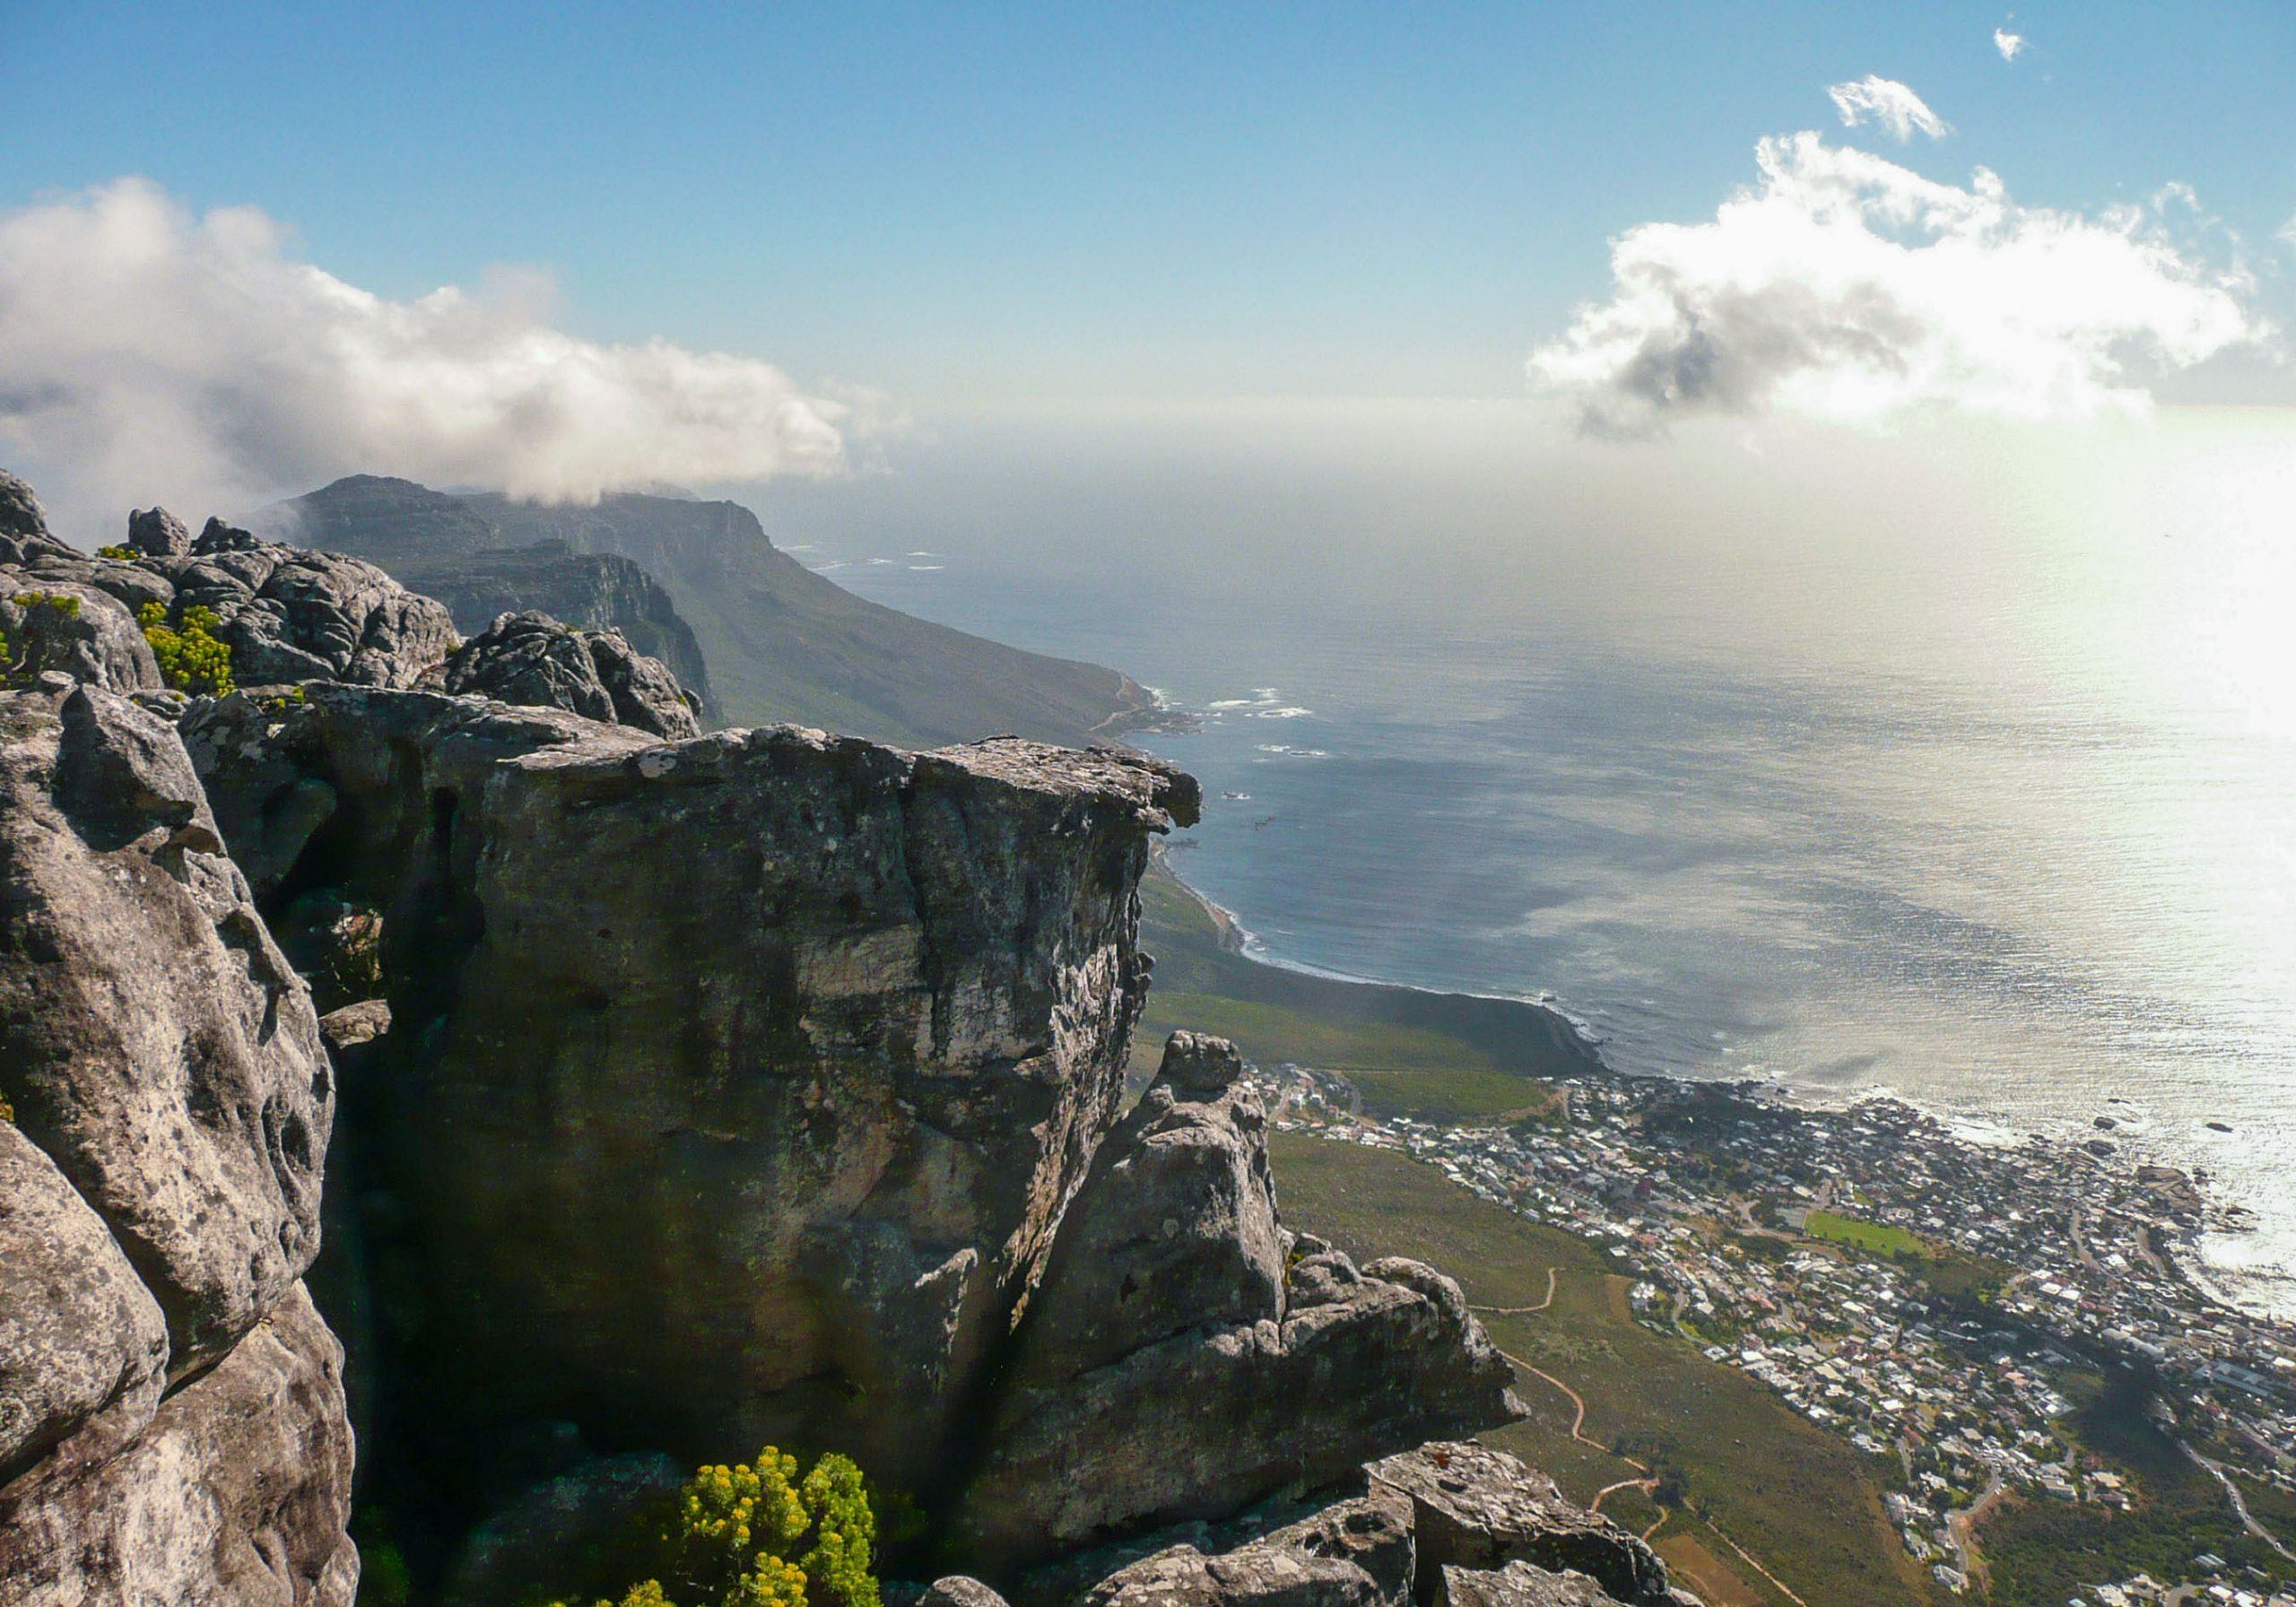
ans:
(781, 643)
(439, 546)
(786, 644)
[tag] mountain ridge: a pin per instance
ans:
(782, 645)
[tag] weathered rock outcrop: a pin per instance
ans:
(1372, 1550)
(1169, 1283)
(740, 1082)
(80, 1335)
(1478, 1508)
(959, 1590)
(23, 525)
(170, 1110)
(444, 548)
(287, 613)
(1519, 1584)
(596, 591)
(155, 532)
(236, 1493)
(1356, 1553)
(153, 1041)
(71, 628)
(51, 618)
(533, 660)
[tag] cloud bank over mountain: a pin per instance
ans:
(147, 352)
(1844, 286)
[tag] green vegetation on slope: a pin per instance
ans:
(1748, 1469)
(1446, 1057)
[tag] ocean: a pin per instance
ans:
(1985, 799)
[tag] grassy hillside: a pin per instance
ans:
(1739, 1468)
(1442, 1056)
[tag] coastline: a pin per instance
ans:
(2220, 1220)
(1545, 1020)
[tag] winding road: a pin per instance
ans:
(1522, 1310)
(1645, 1479)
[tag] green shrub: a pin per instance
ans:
(192, 657)
(123, 554)
(754, 1535)
(16, 663)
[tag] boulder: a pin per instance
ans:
(1178, 1226)
(155, 532)
(1356, 1553)
(1519, 1584)
(23, 526)
(80, 1335)
(235, 1494)
(959, 1590)
(562, 1534)
(532, 659)
(735, 1085)
(153, 1041)
(1480, 1508)
(75, 628)
(1168, 1283)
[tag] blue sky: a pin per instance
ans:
(1010, 205)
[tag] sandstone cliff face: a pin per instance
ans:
(159, 1191)
(1185, 1354)
(743, 1080)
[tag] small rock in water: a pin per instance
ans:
(2220, 1126)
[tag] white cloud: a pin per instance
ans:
(1889, 103)
(148, 354)
(2287, 235)
(2010, 45)
(1846, 287)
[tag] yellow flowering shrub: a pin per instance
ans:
(192, 658)
(755, 1534)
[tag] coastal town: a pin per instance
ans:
(1937, 1302)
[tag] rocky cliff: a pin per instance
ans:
(172, 1412)
(694, 1093)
